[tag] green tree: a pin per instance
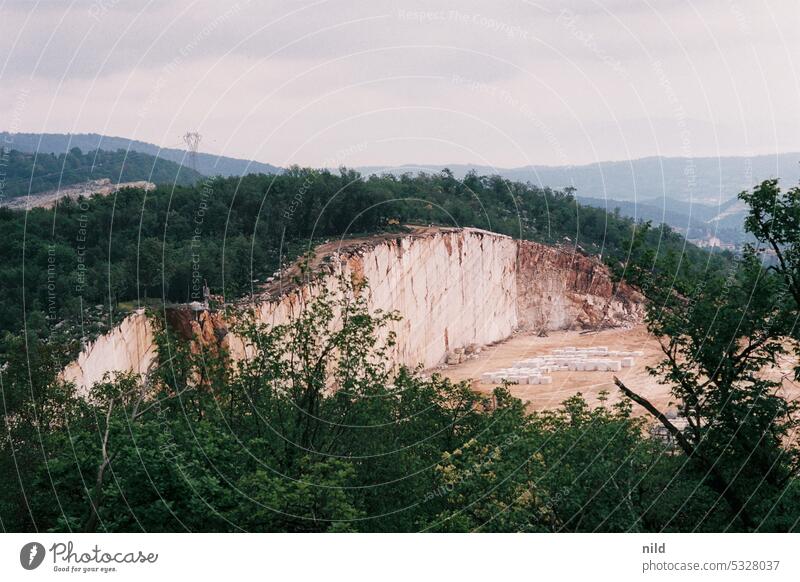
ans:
(721, 337)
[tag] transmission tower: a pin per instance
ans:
(192, 141)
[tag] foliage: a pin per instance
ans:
(722, 336)
(316, 433)
(774, 220)
(26, 173)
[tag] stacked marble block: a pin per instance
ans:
(596, 359)
(533, 370)
(523, 375)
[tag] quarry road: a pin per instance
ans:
(590, 384)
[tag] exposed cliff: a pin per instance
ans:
(48, 199)
(129, 347)
(559, 289)
(453, 288)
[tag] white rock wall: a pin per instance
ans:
(129, 348)
(452, 287)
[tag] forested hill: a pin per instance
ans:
(234, 233)
(26, 173)
(207, 164)
(384, 450)
(703, 180)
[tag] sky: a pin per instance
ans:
(501, 83)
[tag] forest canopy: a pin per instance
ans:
(27, 173)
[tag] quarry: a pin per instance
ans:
(48, 199)
(533, 370)
(568, 377)
(475, 306)
(461, 292)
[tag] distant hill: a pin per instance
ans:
(695, 196)
(26, 173)
(693, 220)
(59, 143)
(690, 217)
(708, 181)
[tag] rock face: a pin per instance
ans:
(454, 288)
(558, 289)
(128, 348)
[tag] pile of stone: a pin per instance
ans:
(459, 355)
(534, 370)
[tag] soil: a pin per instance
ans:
(589, 384)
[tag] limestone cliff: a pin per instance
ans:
(453, 288)
(128, 348)
(559, 289)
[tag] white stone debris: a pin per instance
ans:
(534, 370)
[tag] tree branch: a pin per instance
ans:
(676, 433)
(95, 499)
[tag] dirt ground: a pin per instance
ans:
(590, 384)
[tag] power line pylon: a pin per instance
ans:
(192, 141)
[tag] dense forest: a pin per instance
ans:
(204, 445)
(27, 173)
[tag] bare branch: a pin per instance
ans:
(676, 433)
(96, 498)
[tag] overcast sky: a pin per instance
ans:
(499, 82)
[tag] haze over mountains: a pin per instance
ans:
(702, 180)
(697, 196)
(707, 180)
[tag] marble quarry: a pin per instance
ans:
(457, 289)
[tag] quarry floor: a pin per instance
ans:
(590, 384)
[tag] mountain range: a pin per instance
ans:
(707, 180)
(697, 196)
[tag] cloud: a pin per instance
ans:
(502, 83)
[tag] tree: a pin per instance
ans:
(774, 220)
(318, 500)
(721, 336)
